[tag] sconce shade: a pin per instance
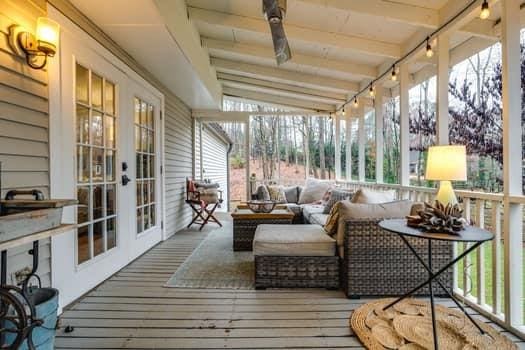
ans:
(47, 33)
(447, 163)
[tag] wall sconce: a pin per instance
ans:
(36, 47)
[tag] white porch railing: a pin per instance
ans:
(479, 279)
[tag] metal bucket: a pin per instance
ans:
(45, 301)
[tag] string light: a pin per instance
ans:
(429, 52)
(393, 77)
(485, 11)
(372, 91)
(344, 112)
(356, 104)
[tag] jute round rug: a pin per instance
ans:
(408, 326)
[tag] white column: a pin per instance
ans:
(378, 110)
(404, 131)
(348, 157)
(307, 148)
(361, 141)
(247, 156)
(512, 160)
(442, 89)
(337, 141)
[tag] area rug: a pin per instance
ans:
(408, 326)
(214, 264)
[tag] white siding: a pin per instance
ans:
(24, 148)
(215, 161)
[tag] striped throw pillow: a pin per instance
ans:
(336, 195)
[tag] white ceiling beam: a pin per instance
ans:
(404, 13)
(280, 100)
(287, 87)
(283, 76)
(293, 32)
(216, 47)
(279, 92)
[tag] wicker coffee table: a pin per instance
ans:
(245, 223)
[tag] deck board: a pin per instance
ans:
(132, 310)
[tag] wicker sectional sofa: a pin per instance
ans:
(372, 262)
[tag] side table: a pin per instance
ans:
(470, 234)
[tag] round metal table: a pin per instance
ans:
(470, 234)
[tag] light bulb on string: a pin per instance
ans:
(393, 77)
(429, 51)
(485, 11)
(356, 104)
(371, 91)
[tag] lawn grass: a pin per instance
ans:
(487, 251)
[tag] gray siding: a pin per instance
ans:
(24, 148)
(178, 165)
(215, 161)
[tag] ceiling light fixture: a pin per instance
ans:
(485, 11)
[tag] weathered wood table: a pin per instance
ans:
(245, 223)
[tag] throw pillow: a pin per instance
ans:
(262, 193)
(314, 190)
(277, 193)
(369, 196)
(336, 195)
(292, 194)
(332, 221)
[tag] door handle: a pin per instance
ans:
(125, 180)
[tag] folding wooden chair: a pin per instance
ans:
(203, 210)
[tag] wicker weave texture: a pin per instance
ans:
(296, 272)
(378, 263)
(244, 230)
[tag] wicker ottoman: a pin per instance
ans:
(295, 256)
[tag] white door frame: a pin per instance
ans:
(72, 280)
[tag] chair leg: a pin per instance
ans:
(198, 214)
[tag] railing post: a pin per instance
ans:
(404, 131)
(337, 122)
(378, 109)
(512, 159)
(361, 140)
(442, 89)
(348, 157)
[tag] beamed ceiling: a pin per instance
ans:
(338, 46)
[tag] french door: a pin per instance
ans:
(106, 152)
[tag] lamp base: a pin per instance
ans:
(445, 194)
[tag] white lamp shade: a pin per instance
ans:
(447, 163)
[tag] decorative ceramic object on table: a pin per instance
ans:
(261, 206)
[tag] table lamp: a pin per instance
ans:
(446, 163)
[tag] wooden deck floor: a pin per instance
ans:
(132, 310)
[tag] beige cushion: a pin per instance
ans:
(314, 190)
(354, 211)
(277, 193)
(318, 219)
(369, 196)
(292, 240)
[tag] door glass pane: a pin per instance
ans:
(98, 238)
(82, 84)
(152, 215)
(83, 244)
(109, 131)
(96, 91)
(82, 124)
(83, 204)
(96, 130)
(111, 232)
(109, 93)
(83, 164)
(111, 200)
(98, 202)
(145, 163)
(97, 166)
